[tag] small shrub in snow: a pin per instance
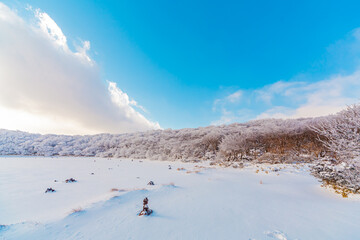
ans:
(50, 190)
(146, 210)
(76, 210)
(151, 183)
(70, 180)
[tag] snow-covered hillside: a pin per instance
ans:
(221, 142)
(190, 201)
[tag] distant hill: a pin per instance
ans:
(261, 140)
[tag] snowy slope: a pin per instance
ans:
(213, 203)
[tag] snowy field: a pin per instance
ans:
(197, 202)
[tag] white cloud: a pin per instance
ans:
(267, 93)
(49, 26)
(82, 51)
(232, 98)
(319, 99)
(296, 99)
(47, 88)
(123, 101)
(226, 118)
(301, 96)
(235, 97)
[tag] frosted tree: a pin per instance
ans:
(234, 147)
(340, 133)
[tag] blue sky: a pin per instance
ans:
(195, 63)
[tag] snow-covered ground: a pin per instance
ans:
(199, 202)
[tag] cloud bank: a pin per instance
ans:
(288, 100)
(298, 99)
(45, 87)
(316, 99)
(291, 99)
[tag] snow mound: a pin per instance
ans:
(276, 235)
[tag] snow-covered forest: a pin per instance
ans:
(232, 142)
(270, 140)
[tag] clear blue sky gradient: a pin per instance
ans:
(176, 57)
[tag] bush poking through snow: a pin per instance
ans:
(70, 180)
(76, 210)
(344, 178)
(50, 190)
(151, 183)
(146, 210)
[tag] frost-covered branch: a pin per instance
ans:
(341, 133)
